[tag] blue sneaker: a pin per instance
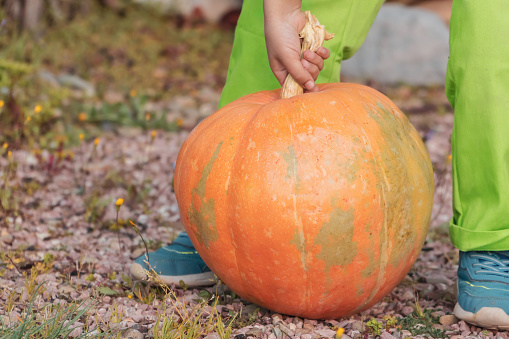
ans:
(176, 262)
(483, 289)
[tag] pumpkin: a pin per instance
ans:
(315, 205)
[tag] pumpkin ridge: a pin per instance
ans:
(383, 246)
(241, 134)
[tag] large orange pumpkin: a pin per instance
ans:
(316, 205)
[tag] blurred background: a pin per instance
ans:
(104, 63)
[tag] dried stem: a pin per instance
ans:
(313, 35)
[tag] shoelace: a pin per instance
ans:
(491, 265)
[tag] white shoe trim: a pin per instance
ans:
(192, 280)
(492, 318)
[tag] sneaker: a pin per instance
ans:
(483, 289)
(174, 263)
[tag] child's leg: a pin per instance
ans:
(478, 89)
(249, 70)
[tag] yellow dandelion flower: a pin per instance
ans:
(82, 116)
(180, 122)
(37, 109)
(28, 119)
(81, 136)
(147, 116)
(9, 155)
(133, 93)
(96, 141)
(5, 145)
(154, 133)
(339, 333)
(129, 296)
(1, 103)
(119, 202)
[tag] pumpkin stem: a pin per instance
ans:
(313, 35)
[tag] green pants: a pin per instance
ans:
(249, 70)
(477, 87)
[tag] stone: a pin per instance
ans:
(49, 78)
(255, 332)
(405, 45)
(448, 320)
(78, 83)
(326, 332)
(407, 310)
(357, 326)
(387, 335)
(464, 327)
(131, 333)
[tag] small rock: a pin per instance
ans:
(137, 253)
(437, 314)
(250, 309)
(137, 317)
(448, 319)
(408, 295)
(310, 321)
(387, 335)
(76, 82)
(407, 310)
(464, 327)
(131, 333)
(357, 326)
(277, 318)
(325, 332)
(255, 332)
(6, 238)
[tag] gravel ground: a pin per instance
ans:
(69, 210)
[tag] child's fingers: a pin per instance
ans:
(311, 68)
(313, 58)
(323, 52)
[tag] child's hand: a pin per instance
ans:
(283, 22)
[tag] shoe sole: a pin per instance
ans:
(192, 280)
(492, 318)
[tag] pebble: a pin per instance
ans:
(387, 335)
(448, 320)
(325, 332)
(407, 310)
(131, 333)
(464, 326)
(255, 332)
(357, 326)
